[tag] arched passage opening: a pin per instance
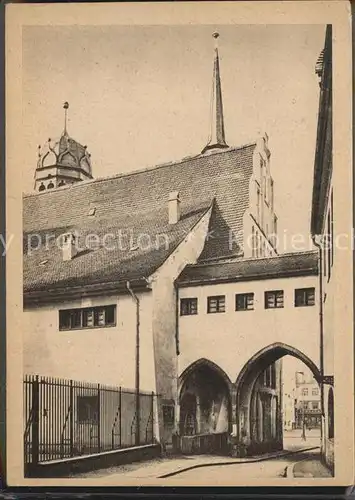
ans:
(205, 407)
(261, 403)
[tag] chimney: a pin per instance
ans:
(174, 207)
(69, 248)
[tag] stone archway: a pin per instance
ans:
(205, 407)
(258, 398)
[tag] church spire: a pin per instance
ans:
(216, 138)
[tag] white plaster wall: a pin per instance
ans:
(230, 339)
(100, 355)
(164, 306)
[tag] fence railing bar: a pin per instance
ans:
(60, 421)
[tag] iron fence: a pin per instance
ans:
(66, 418)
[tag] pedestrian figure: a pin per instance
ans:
(304, 432)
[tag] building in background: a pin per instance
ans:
(324, 216)
(307, 402)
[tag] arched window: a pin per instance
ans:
(42, 187)
(50, 185)
(331, 414)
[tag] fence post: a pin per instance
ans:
(152, 413)
(98, 419)
(71, 410)
(35, 421)
(120, 421)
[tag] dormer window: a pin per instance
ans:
(62, 183)
(42, 187)
(50, 185)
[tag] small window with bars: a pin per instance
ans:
(304, 297)
(216, 304)
(89, 317)
(188, 306)
(274, 299)
(244, 302)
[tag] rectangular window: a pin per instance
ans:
(88, 317)
(88, 409)
(244, 302)
(216, 304)
(305, 405)
(274, 299)
(315, 405)
(304, 297)
(188, 306)
(305, 392)
(315, 392)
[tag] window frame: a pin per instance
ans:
(306, 293)
(217, 298)
(269, 293)
(245, 296)
(80, 312)
(188, 300)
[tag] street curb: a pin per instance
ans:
(250, 461)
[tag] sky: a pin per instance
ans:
(140, 96)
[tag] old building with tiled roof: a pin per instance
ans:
(140, 279)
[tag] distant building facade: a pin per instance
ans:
(307, 403)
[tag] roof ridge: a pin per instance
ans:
(224, 262)
(138, 171)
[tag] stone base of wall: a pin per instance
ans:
(71, 466)
(261, 448)
(328, 455)
(216, 444)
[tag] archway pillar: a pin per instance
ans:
(233, 413)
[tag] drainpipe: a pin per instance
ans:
(321, 330)
(137, 382)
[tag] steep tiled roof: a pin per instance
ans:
(110, 259)
(292, 264)
(136, 202)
